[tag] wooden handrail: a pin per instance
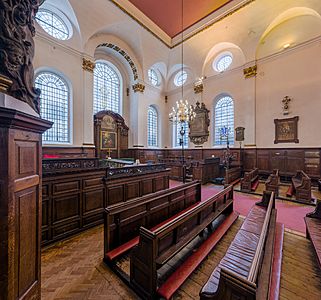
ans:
(259, 250)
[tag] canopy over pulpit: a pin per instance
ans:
(111, 134)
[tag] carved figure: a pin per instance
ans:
(17, 49)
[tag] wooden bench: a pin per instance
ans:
(272, 183)
(251, 267)
(123, 220)
(157, 247)
(301, 187)
(313, 230)
(250, 181)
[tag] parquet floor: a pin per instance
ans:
(73, 269)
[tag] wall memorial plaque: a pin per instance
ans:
(198, 128)
(286, 130)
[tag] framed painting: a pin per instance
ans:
(108, 140)
(286, 130)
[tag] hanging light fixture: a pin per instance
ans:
(182, 113)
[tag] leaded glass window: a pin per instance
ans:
(224, 120)
(152, 127)
(178, 135)
(153, 78)
(180, 78)
(54, 106)
(107, 87)
(52, 24)
(223, 63)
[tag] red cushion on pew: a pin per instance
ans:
(274, 289)
(111, 255)
(289, 192)
(51, 156)
(254, 185)
(168, 288)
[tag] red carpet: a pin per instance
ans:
(289, 213)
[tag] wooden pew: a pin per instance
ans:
(251, 267)
(301, 187)
(250, 181)
(123, 220)
(157, 247)
(272, 183)
(313, 230)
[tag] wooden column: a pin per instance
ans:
(20, 204)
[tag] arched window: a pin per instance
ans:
(153, 78)
(224, 120)
(152, 127)
(54, 106)
(107, 88)
(178, 135)
(53, 24)
(180, 78)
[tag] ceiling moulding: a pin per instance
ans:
(134, 13)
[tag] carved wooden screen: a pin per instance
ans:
(111, 134)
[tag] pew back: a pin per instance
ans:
(157, 247)
(301, 184)
(249, 179)
(272, 183)
(122, 221)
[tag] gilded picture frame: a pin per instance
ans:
(108, 140)
(286, 130)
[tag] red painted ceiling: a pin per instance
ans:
(167, 14)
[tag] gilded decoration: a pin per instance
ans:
(250, 71)
(286, 130)
(198, 127)
(139, 87)
(198, 88)
(88, 65)
(17, 50)
(124, 54)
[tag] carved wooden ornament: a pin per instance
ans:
(198, 128)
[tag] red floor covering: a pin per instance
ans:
(289, 213)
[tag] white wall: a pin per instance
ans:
(247, 34)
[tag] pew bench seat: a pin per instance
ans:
(168, 288)
(250, 270)
(241, 252)
(122, 249)
(313, 232)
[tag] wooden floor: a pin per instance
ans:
(74, 270)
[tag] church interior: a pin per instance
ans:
(160, 149)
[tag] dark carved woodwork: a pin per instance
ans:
(286, 130)
(301, 184)
(76, 191)
(20, 204)
(198, 127)
(272, 183)
(253, 250)
(122, 221)
(249, 179)
(232, 174)
(17, 49)
(113, 124)
(317, 212)
(156, 247)
(287, 161)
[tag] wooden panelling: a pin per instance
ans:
(74, 199)
(288, 160)
(66, 207)
(20, 204)
(93, 201)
